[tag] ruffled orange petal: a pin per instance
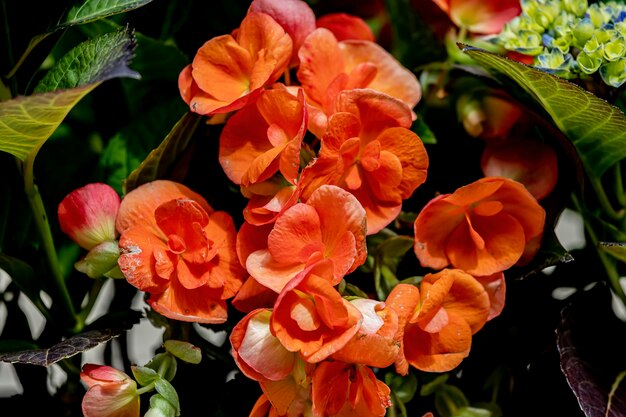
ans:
(340, 212)
(392, 78)
(345, 26)
(404, 300)
(376, 111)
(253, 295)
(251, 238)
(321, 61)
(441, 351)
(201, 305)
(138, 206)
(295, 16)
(269, 273)
(140, 250)
(296, 236)
(495, 285)
(504, 243)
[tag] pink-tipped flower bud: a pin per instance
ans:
(87, 214)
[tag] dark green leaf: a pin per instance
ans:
(84, 11)
(387, 257)
(161, 159)
(432, 386)
(423, 131)
(596, 128)
(405, 387)
(184, 351)
(450, 400)
(473, 412)
(168, 392)
(62, 350)
(98, 59)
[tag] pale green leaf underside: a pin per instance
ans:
(89, 10)
(27, 122)
(596, 128)
(97, 59)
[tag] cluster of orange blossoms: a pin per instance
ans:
(309, 212)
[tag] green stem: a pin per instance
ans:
(91, 301)
(43, 227)
(147, 388)
(619, 185)
(604, 200)
(608, 262)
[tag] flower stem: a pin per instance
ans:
(43, 227)
(609, 263)
(619, 185)
(91, 301)
(604, 200)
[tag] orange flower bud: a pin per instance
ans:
(111, 392)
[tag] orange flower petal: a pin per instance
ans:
(345, 26)
(296, 236)
(495, 285)
(253, 295)
(251, 238)
(340, 212)
(269, 273)
(138, 206)
(441, 351)
(139, 248)
(391, 77)
(404, 300)
(201, 305)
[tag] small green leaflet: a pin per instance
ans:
(89, 10)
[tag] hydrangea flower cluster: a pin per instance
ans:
(571, 38)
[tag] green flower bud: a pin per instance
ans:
(594, 48)
(620, 28)
(575, 7)
(597, 15)
(588, 64)
(101, 261)
(555, 62)
(582, 32)
(527, 42)
(614, 50)
(542, 13)
(614, 73)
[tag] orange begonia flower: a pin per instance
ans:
(291, 396)
(111, 392)
(454, 306)
(529, 161)
(311, 317)
(264, 137)
(346, 390)
(176, 248)
(480, 16)
(268, 199)
(87, 214)
(228, 70)
(331, 225)
(327, 67)
(295, 16)
(482, 228)
(369, 150)
(346, 27)
(257, 352)
(375, 343)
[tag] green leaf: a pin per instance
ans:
(405, 387)
(387, 257)
(162, 159)
(616, 250)
(165, 364)
(432, 386)
(160, 407)
(144, 375)
(100, 59)
(184, 351)
(62, 350)
(450, 401)
(89, 10)
(26, 122)
(168, 392)
(423, 131)
(596, 128)
(472, 412)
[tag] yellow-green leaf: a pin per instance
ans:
(26, 122)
